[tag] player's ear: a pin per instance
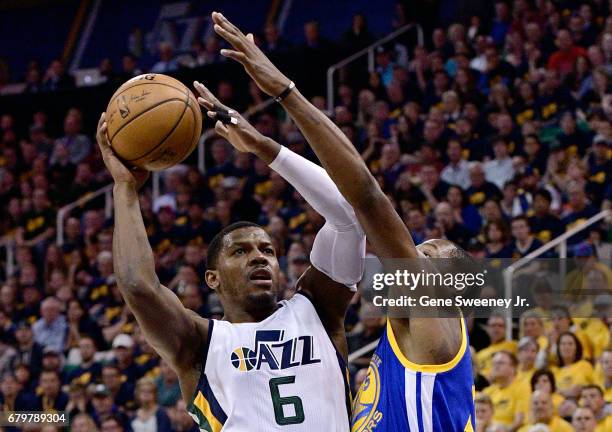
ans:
(212, 279)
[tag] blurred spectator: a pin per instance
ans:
(457, 171)
(83, 423)
(358, 36)
(574, 372)
(56, 77)
(563, 60)
(28, 351)
(484, 412)
(168, 390)
(129, 68)
(273, 42)
(149, 415)
(51, 398)
(167, 62)
(50, 330)
(496, 329)
(542, 412)
(500, 169)
(79, 145)
(524, 240)
(505, 393)
(583, 420)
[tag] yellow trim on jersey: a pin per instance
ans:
(427, 368)
(202, 404)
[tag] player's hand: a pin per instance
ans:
(239, 132)
(267, 76)
(119, 172)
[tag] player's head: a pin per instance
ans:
(243, 268)
(440, 248)
(452, 259)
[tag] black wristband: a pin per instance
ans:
(285, 92)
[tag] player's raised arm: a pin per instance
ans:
(339, 247)
(384, 228)
(155, 307)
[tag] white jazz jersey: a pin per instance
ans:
(280, 374)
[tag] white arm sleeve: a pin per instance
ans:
(339, 248)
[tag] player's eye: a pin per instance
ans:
(269, 250)
(239, 251)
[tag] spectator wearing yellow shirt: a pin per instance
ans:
(592, 397)
(574, 372)
(505, 394)
(583, 420)
(496, 329)
(527, 353)
(598, 327)
(483, 408)
(542, 412)
(532, 325)
(562, 323)
(604, 374)
(544, 380)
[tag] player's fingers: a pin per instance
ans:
(250, 38)
(206, 94)
(240, 57)
(102, 119)
(232, 38)
(227, 24)
(221, 129)
(206, 103)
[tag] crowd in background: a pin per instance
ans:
(496, 135)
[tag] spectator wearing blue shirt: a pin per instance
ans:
(501, 22)
(167, 62)
(50, 330)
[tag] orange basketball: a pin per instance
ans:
(154, 122)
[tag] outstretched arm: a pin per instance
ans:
(384, 228)
(155, 307)
(339, 247)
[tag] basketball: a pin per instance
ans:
(154, 122)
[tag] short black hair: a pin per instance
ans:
(544, 193)
(541, 372)
(214, 248)
(594, 387)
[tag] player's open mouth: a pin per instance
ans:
(261, 276)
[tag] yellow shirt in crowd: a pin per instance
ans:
(556, 424)
(557, 400)
(599, 337)
(568, 376)
(485, 355)
(507, 401)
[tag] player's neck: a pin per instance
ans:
(238, 316)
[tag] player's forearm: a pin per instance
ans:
(266, 149)
(338, 156)
(315, 185)
(133, 261)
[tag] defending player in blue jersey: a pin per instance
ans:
(420, 377)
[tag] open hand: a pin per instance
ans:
(240, 133)
(119, 172)
(267, 76)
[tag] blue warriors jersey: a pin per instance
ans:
(401, 396)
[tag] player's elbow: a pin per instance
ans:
(367, 193)
(133, 285)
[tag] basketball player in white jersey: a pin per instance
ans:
(420, 378)
(266, 366)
